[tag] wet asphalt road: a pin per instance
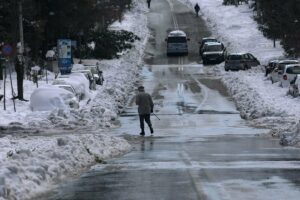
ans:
(201, 148)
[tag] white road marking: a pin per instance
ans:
(176, 26)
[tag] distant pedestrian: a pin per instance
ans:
(145, 108)
(101, 78)
(148, 2)
(197, 9)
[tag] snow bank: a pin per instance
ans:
(30, 164)
(264, 104)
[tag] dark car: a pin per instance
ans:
(271, 66)
(203, 41)
(213, 52)
(240, 61)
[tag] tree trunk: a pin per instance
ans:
(20, 75)
(1, 69)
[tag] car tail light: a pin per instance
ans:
(284, 77)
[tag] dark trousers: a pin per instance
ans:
(145, 117)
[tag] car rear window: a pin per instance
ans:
(213, 48)
(176, 40)
(234, 57)
(293, 70)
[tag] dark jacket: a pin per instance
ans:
(145, 103)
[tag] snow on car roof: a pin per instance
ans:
(239, 54)
(213, 43)
(292, 65)
(209, 38)
(288, 61)
(177, 33)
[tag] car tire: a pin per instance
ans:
(295, 92)
(204, 62)
(272, 81)
(226, 70)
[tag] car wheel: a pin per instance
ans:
(272, 80)
(295, 92)
(226, 70)
(204, 62)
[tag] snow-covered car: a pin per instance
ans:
(70, 89)
(77, 80)
(213, 52)
(96, 72)
(89, 75)
(294, 86)
(240, 61)
(50, 98)
(289, 74)
(277, 73)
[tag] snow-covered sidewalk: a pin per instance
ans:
(30, 164)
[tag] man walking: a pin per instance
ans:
(148, 2)
(145, 108)
(197, 9)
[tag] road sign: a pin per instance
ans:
(7, 50)
(64, 55)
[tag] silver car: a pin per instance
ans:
(240, 61)
(277, 73)
(289, 74)
(294, 86)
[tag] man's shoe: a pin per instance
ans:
(142, 133)
(151, 130)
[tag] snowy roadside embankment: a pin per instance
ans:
(267, 105)
(29, 165)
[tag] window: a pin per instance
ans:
(213, 48)
(293, 70)
(177, 40)
(234, 57)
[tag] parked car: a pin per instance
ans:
(294, 86)
(289, 74)
(70, 89)
(177, 42)
(97, 73)
(277, 73)
(50, 98)
(213, 52)
(89, 75)
(77, 80)
(271, 66)
(203, 41)
(240, 61)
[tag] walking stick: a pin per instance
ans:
(156, 116)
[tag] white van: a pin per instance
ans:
(177, 43)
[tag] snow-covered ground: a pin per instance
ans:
(266, 104)
(30, 164)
